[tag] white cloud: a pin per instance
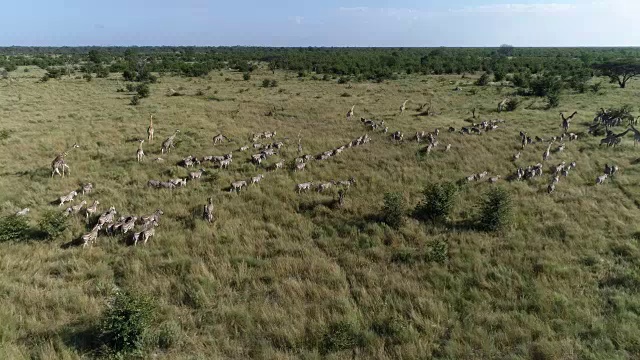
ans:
(296, 19)
(516, 8)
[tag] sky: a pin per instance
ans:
(399, 23)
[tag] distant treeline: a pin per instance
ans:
(363, 63)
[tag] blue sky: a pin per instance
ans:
(321, 22)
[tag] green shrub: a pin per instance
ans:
(495, 210)
(343, 80)
(87, 77)
(273, 83)
(438, 202)
(499, 75)
(483, 80)
(135, 100)
(124, 324)
(131, 87)
(266, 83)
(341, 336)
(521, 80)
(596, 87)
(326, 77)
(129, 75)
(438, 252)
(553, 100)
(545, 85)
(512, 104)
(13, 228)
(393, 212)
(143, 90)
(53, 224)
(246, 76)
(102, 72)
(169, 335)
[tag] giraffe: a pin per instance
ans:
(350, 113)
(59, 164)
(168, 144)
(140, 153)
(150, 130)
(636, 135)
(208, 211)
(567, 121)
(403, 107)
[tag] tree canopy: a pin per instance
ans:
(620, 70)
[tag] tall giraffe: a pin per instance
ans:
(567, 121)
(150, 130)
(350, 113)
(140, 153)
(403, 107)
(59, 164)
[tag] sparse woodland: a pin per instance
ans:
(235, 203)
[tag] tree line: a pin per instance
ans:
(360, 63)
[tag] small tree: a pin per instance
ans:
(512, 104)
(102, 72)
(483, 80)
(620, 71)
(135, 100)
(495, 210)
(53, 224)
(129, 75)
(393, 212)
(505, 50)
(125, 322)
(438, 202)
(553, 100)
(266, 83)
(273, 66)
(143, 90)
(13, 228)
(246, 76)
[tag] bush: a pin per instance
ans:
(266, 83)
(125, 322)
(439, 199)
(326, 77)
(495, 210)
(343, 80)
(13, 228)
(246, 76)
(341, 336)
(302, 74)
(131, 87)
(135, 100)
(595, 88)
(553, 100)
(102, 72)
(129, 75)
(273, 83)
(483, 80)
(438, 252)
(512, 104)
(521, 80)
(498, 75)
(393, 212)
(53, 224)
(143, 90)
(545, 85)
(87, 77)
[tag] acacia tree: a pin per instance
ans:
(620, 71)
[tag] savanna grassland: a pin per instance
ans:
(281, 275)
